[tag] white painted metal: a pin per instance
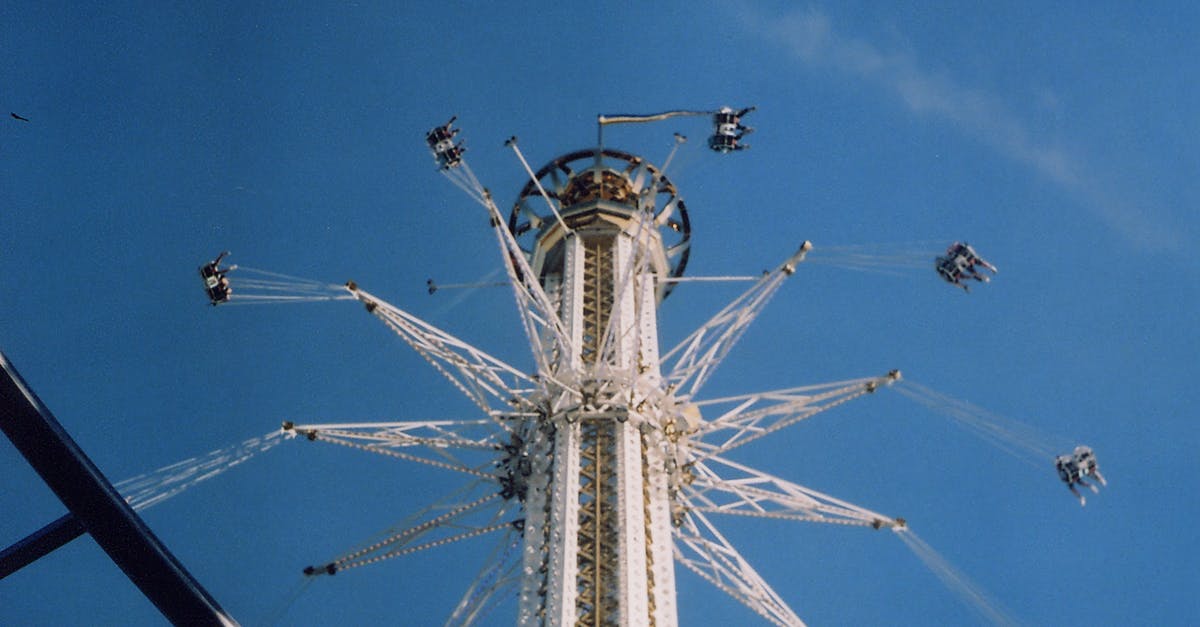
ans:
(694, 359)
(563, 547)
(636, 583)
(479, 376)
(607, 467)
(703, 550)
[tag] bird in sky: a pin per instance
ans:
(17, 117)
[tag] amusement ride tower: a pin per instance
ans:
(603, 467)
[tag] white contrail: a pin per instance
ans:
(811, 37)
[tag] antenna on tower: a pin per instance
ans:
(511, 142)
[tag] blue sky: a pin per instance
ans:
(1060, 141)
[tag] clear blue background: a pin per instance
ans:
(1060, 141)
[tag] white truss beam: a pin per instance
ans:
(535, 558)
(605, 467)
(702, 549)
(559, 600)
(480, 377)
(738, 489)
(539, 316)
(465, 434)
(748, 417)
(462, 521)
(694, 359)
(443, 438)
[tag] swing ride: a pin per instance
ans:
(1074, 467)
(605, 466)
(962, 262)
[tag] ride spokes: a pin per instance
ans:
(723, 486)
(463, 521)
(448, 444)
(600, 466)
(694, 359)
(702, 549)
(493, 385)
(748, 417)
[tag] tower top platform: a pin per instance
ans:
(600, 192)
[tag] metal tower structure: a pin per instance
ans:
(605, 466)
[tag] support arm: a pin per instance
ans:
(745, 491)
(702, 549)
(694, 359)
(479, 376)
(752, 416)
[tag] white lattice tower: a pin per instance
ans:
(599, 465)
(598, 548)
